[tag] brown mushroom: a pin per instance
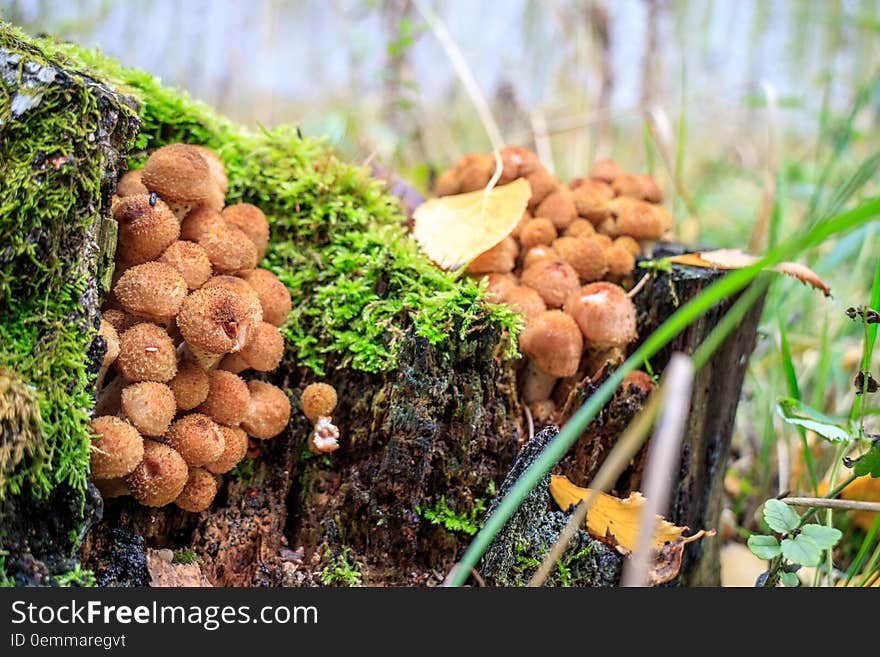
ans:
(116, 448)
(269, 411)
(153, 290)
(228, 398)
(197, 438)
(554, 280)
(179, 174)
(160, 477)
(198, 492)
(604, 313)
(146, 228)
(149, 406)
(584, 255)
(501, 258)
(146, 353)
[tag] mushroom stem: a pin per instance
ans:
(109, 400)
(325, 437)
(537, 385)
(205, 359)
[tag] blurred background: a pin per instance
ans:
(756, 117)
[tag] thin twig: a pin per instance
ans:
(663, 455)
(620, 456)
(531, 421)
(822, 503)
(638, 286)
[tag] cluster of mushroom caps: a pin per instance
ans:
(567, 265)
(188, 312)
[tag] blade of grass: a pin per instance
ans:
(794, 391)
(726, 286)
(863, 550)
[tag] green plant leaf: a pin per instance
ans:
(763, 546)
(868, 463)
(824, 537)
(801, 549)
(780, 517)
(789, 579)
(799, 414)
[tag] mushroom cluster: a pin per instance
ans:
(567, 265)
(189, 311)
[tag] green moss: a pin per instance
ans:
(76, 577)
(341, 571)
(339, 243)
(186, 557)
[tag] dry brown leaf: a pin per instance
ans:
(453, 230)
(736, 259)
(611, 517)
(667, 560)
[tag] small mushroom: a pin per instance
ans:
(606, 171)
(191, 260)
(559, 208)
(198, 492)
(228, 398)
(584, 255)
(542, 184)
(229, 249)
(605, 314)
(116, 448)
(264, 349)
(554, 280)
(197, 438)
(243, 289)
(620, 261)
(579, 228)
(189, 385)
(146, 353)
(235, 444)
(318, 399)
(111, 349)
(149, 406)
(268, 412)
(539, 231)
(274, 297)
(525, 300)
(160, 477)
(179, 174)
(199, 222)
(146, 228)
(215, 320)
(553, 342)
(498, 284)
(153, 290)
(130, 183)
(252, 222)
(215, 167)
(500, 258)
(536, 253)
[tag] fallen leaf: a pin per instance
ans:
(612, 517)
(453, 230)
(736, 259)
(667, 560)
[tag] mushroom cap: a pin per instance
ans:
(146, 353)
(198, 492)
(235, 444)
(191, 260)
(602, 240)
(119, 319)
(215, 320)
(234, 363)
(497, 284)
(274, 297)
(197, 438)
(539, 231)
(447, 183)
(501, 258)
(536, 253)
(153, 290)
(554, 280)
(264, 349)
(606, 170)
(475, 171)
(604, 313)
(117, 449)
(608, 227)
(584, 255)
(130, 183)
(554, 343)
(215, 166)
(229, 249)
(228, 398)
(579, 228)
(145, 230)
(629, 244)
(318, 399)
(111, 342)
(620, 261)
(638, 219)
(250, 220)
(627, 185)
(639, 379)
(160, 477)
(517, 162)
(149, 406)
(179, 174)
(240, 287)
(651, 191)
(591, 200)
(523, 220)
(542, 183)
(525, 300)
(189, 385)
(269, 411)
(558, 207)
(198, 222)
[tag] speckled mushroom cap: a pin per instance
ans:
(215, 166)
(274, 297)
(229, 249)
(500, 258)
(264, 349)
(269, 411)
(149, 406)
(619, 260)
(638, 219)
(240, 287)
(252, 222)
(146, 228)
(116, 449)
(179, 174)
(153, 290)
(525, 300)
(559, 208)
(228, 398)
(191, 260)
(197, 438)
(189, 385)
(160, 477)
(111, 342)
(146, 353)
(198, 492)
(130, 183)
(554, 280)
(553, 342)
(198, 222)
(584, 255)
(536, 232)
(606, 170)
(235, 444)
(604, 313)
(215, 320)
(318, 399)
(498, 284)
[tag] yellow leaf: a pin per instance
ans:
(611, 517)
(866, 489)
(453, 230)
(736, 259)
